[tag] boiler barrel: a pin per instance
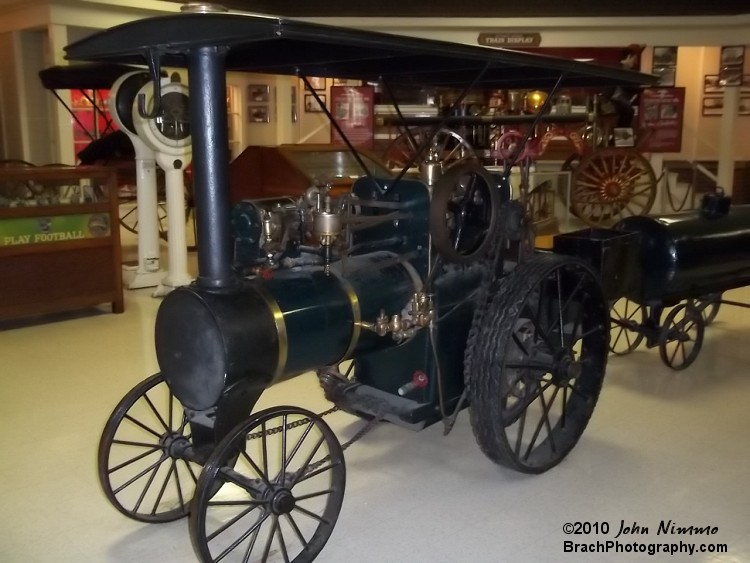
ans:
(690, 255)
(268, 329)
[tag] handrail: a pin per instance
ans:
(697, 168)
(706, 172)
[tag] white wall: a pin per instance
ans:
(701, 134)
(40, 146)
(12, 143)
(278, 129)
(286, 92)
(25, 126)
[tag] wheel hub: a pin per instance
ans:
(567, 368)
(282, 502)
(613, 190)
(174, 444)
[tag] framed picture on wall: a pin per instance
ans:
(258, 114)
(733, 55)
(732, 62)
(666, 75)
(713, 106)
(711, 84)
(730, 76)
(624, 137)
(258, 93)
(664, 65)
(317, 82)
(311, 104)
(665, 56)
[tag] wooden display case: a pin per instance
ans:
(288, 170)
(59, 240)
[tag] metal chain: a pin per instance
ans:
(361, 433)
(295, 424)
(358, 436)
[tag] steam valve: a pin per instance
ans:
(418, 381)
(326, 228)
(405, 325)
(431, 169)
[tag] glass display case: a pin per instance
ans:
(288, 170)
(59, 239)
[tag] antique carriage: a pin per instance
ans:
(410, 299)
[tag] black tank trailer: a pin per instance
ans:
(409, 299)
(681, 263)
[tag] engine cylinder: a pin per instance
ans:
(266, 330)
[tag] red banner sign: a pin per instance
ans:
(660, 119)
(352, 108)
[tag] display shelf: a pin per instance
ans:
(62, 256)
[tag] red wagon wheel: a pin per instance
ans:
(610, 184)
(507, 145)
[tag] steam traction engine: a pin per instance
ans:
(426, 293)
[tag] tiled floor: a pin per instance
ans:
(661, 445)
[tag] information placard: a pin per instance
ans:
(660, 119)
(352, 108)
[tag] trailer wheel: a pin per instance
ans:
(708, 306)
(282, 495)
(464, 213)
(681, 336)
(535, 363)
(142, 464)
(626, 321)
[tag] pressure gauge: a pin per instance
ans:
(169, 132)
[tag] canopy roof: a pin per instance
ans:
(99, 76)
(277, 46)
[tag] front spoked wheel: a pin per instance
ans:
(536, 368)
(271, 491)
(143, 455)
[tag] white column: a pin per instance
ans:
(177, 274)
(148, 272)
(62, 130)
(726, 138)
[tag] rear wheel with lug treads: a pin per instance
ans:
(537, 365)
